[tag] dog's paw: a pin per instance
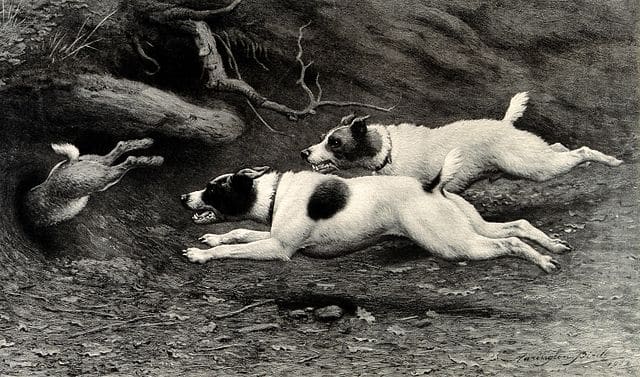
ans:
(196, 255)
(548, 264)
(612, 161)
(560, 246)
(212, 240)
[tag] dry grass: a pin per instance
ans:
(60, 48)
(10, 21)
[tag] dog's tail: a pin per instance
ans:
(517, 106)
(450, 166)
(66, 149)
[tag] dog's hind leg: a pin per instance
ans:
(542, 162)
(518, 228)
(267, 249)
(455, 239)
(234, 236)
(121, 148)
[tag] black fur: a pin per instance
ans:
(232, 196)
(353, 148)
(358, 128)
(430, 186)
(329, 198)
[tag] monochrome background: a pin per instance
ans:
(109, 292)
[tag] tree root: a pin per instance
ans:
(215, 76)
(217, 79)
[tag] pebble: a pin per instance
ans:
(298, 313)
(328, 313)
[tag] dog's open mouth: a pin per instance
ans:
(204, 217)
(324, 167)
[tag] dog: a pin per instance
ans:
(489, 147)
(327, 216)
(65, 192)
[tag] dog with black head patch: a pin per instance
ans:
(492, 148)
(350, 145)
(327, 216)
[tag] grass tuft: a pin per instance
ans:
(10, 21)
(60, 48)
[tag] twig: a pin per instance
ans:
(317, 355)
(153, 324)
(244, 308)
(109, 326)
(264, 122)
(77, 311)
(28, 295)
(234, 64)
(89, 307)
(306, 359)
(258, 327)
(187, 283)
(202, 351)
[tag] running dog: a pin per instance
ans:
(327, 216)
(489, 147)
(66, 190)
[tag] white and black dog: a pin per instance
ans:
(489, 147)
(327, 216)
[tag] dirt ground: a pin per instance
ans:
(402, 311)
(407, 313)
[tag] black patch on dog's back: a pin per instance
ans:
(329, 198)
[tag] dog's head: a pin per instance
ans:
(228, 196)
(350, 144)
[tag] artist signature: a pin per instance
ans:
(578, 357)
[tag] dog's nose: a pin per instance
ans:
(184, 198)
(305, 154)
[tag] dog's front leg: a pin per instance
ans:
(267, 249)
(234, 236)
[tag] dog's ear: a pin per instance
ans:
(255, 172)
(241, 182)
(358, 127)
(346, 120)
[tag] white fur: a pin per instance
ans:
(66, 149)
(448, 226)
(517, 106)
(452, 164)
(489, 147)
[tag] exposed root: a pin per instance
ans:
(216, 78)
(143, 55)
(214, 74)
(181, 14)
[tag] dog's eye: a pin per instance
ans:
(334, 142)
